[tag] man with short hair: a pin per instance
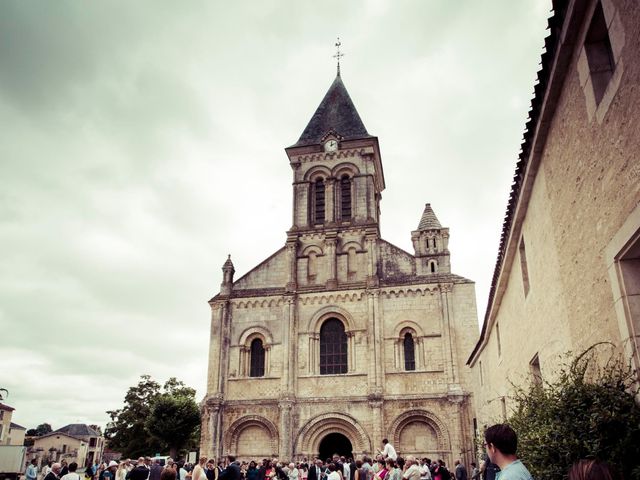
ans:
(461, 471)
(388, 450)
(232, 472)
(32, 470)
(501, 443)
(71, 474)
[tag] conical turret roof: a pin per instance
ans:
(429, 221)
(335, 113)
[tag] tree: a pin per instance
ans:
(173, 420)
(128, 430)
(43, 429)
(589, 411)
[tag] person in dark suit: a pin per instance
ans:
(139, 472)
(232, 472)
(315, 470)
(155, 470)
(54, 473)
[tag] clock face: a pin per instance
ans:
(330, 145)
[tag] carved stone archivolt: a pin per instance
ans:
(424, 416)
(310, 436)
(236, 428)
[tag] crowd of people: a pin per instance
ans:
(499, 463)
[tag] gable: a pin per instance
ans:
(395, 263)
(271, 273)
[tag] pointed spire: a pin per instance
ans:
(429, 221)
(335, 113)
(228, 265)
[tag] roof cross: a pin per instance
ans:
(338, 55)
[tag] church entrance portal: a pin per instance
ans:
(335, 443)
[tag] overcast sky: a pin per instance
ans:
(141, 142)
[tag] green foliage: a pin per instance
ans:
(43, 429)
(129, 433)
(589, 411)
(173, 420)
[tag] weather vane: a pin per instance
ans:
(338, 55)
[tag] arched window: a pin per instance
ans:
(345, 198)
(333, 347)
(409, 352)
(318, 202)
(433, 266)
(257, 358)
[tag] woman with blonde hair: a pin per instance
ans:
(121, 472)
(198, 471)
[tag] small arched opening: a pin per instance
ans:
(335, 443)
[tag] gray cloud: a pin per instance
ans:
(142, 142)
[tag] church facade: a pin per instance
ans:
(340, 339)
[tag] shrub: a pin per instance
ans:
(589, 411)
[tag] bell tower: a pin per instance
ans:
(337, 186)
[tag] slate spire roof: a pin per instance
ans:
(335, 113)
(429, 221)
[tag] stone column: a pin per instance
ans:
(215, 347)
(286, 336)
(292, 258)
(330, 242)
(285, 406)
(375, 405)
(212, 446)
(379, 341)
(225, 343)
(329, 201)
(371, 344)
(448, 338)
(372, 258)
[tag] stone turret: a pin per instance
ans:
(227, 277)
(431, 244)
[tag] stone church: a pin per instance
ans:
(340, 339)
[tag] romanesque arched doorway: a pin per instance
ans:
(335, 443)
(322, 429)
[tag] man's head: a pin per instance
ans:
(500, 441)
(384, 441)
(319, 463)
(410, 460)
(231, 459)
(56, 467)
(73, 466)
(34, 462)
(456, 463)
(147, 461)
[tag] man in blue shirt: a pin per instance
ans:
(501, 443)
(32, 470)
